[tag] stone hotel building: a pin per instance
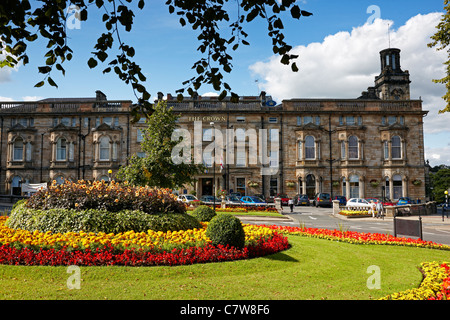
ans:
(370, 146)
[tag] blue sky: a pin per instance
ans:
(166, 51)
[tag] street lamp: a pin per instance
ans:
(214, 168)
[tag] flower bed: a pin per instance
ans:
(355, 213)
(130, 248)
(358, 237)
(435, 285)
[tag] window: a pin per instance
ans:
(16, 188)
(28, 151)
(273, 134)
(140, 135)
(307, 119)
(274, 159)
(300, 150)
(273, 119)
(61, 148)
(207, 134)
(240, 186)
(387, 190)
(353, 147)
(18, 150)
(240, 158)
(392, 120)
(310, 186)
(396, 147)
(342, 149)
(397, 185)
(240, 119)
(350, 120)
(104, 149)
(273, 187)
(208, 159)
(240, 134)
(344, 187)
(354, 186)
(65, 121)
(310, 148)
(108, 120)
(386, 150)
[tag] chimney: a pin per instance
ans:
(100, 96)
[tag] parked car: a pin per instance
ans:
(386, 202)
(342, 200)
(210, 199)
(358, 202)
(284, 199)
(187, 198)
(322, 200)
(301, 200)
(403, 200)
(232, 200)
(252, 200)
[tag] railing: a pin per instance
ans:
(18, 106)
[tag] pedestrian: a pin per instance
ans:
(291, 204)
(372, 208)
(379, 209)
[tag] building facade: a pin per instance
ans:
(370, 146)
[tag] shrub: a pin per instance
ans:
(226, 229)
(204, 213)
(97, 220)
(112, 197)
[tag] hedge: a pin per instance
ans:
(97, 220)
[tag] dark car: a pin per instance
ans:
(301, 200)
(322, 200)
(210, 199)
(342, 200)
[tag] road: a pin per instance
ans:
(433, 228)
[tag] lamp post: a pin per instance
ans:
(214, 168)
(445, 206)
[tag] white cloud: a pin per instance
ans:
(438, 156)
(346, 63)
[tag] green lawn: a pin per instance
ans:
(310, 269)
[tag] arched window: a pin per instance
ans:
(396, 147)
(310, 148)
(61, 149)
(104, 149)
(18, 150)
(353, 147)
